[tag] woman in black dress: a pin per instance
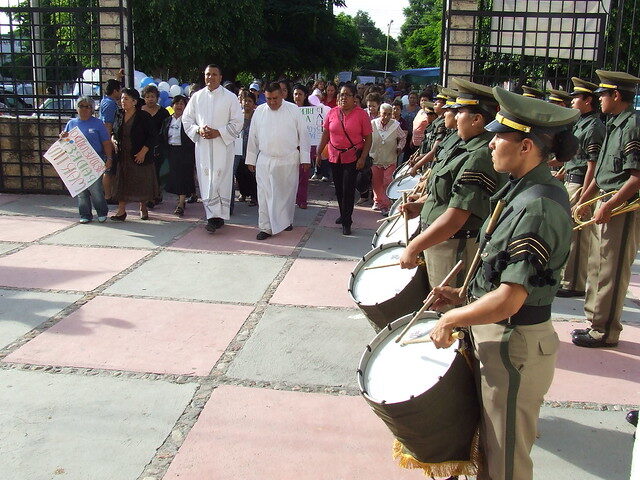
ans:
(134, 138)
(158, 114)
(178, 148)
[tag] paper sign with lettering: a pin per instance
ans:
(313, 118)
(76, 161)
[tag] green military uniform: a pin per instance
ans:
(615, 244)
(462, 177)
(529, 246)
(532, 92)
(589, 131)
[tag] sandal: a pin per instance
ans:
(252, 203)
(179, 211)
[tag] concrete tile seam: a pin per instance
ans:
(15, 249)
(175, 299)
(290, 387)
(227, 253)
(611, 407)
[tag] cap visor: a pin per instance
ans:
(602, 90)
(497, 127)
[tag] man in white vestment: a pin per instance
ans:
(213, 119)
(278, 143)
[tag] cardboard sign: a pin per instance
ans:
(313, 117)
(76, 161)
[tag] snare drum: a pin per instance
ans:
(392, 231)
(426, 396)
(406, 182)
(384, 294)
(402, 170)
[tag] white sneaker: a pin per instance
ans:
(324, 179)
(316, 177)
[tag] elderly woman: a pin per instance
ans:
(387, 142)
(135, 137)
(347, 131)
(96, 134)
(158, 114)
(179, 150)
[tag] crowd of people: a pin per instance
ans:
(477, 149)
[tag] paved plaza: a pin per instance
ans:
(150, 350)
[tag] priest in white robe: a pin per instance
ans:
(213, 119)
(278, 143)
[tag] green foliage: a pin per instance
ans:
(372, 45)
(421, 34)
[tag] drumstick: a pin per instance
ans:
(406, 220)
(420, 262)
(426, 339)
(430, 299)
(397, 215)
(476, 259)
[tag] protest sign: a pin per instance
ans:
(76, 161)
(313, 118)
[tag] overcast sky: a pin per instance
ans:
(381, 11)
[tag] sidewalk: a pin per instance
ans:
(154, 350)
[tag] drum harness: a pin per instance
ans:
(528, 314)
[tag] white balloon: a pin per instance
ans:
(164, 86)
(186, 90)
(157, 81)
(96, 75)
(173, 81)
(175, 90)
(87, 75)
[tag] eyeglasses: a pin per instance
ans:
(84, 106)
(345, 95)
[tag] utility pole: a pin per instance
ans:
(386, 54)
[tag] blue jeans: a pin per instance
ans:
(93, 195)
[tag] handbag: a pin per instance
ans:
(353, 146)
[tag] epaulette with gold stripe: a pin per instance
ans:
(531, 248)
(594, 148)
(481, 179)
(632, 146)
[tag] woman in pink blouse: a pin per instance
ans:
(347, 131)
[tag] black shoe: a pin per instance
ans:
(632, 417)
(338, 220)
(262, 236)
(151, 204)
(580, 331)
(111, 201)
(346, 229)
(210, 226)
(289, 228)
(566, 293)
(590, 342)
(119, 218)
(192, 199)
(217, 222)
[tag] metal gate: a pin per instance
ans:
(52, 51)
(542, 43)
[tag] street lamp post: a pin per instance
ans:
(386, 53)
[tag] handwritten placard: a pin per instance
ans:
(76, 161)
(313, 117)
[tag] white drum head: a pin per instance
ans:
(395, 373)
(370, 287)
(392, 231)
(401, 183)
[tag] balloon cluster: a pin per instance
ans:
(168, 89)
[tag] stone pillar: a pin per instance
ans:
(459, 40)
(113, 39)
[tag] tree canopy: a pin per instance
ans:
(421, 34)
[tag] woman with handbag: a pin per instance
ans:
(135, 139)
(347, 131)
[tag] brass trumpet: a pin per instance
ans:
(624, 208)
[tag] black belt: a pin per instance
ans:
(529, 315)
(465, 234)
(574, 178)
(175, 146)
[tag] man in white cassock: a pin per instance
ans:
(278, 143)
(213, 119)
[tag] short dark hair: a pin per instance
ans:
(397, 103)
(111, 86)
(179, 98)
(627, 96)
(374, 97)
(272, 87)
(351, 87)
(251, 95)
(150, 89)
(424, 94)
(213, 65)
(133, 93)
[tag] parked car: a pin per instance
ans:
(13, 102)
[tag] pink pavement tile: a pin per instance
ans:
(260, 434)
(363, 217)
(164, 211)
(634, 288)
(28, 229)
(240, 239)
(139, 335)
(64, 268)
(610, 375)
(318, 283)
(7, 198)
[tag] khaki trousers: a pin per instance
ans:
(575, 271)
(441, 258)
(514, 371)
(611, 255)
